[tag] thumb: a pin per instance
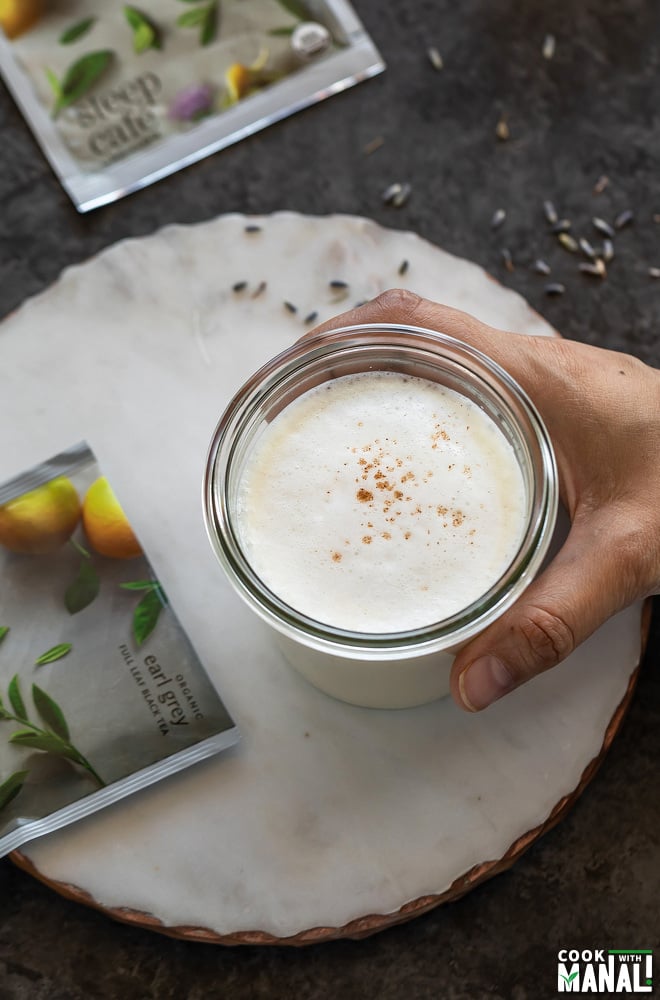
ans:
(582, 587)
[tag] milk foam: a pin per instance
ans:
(380, 502)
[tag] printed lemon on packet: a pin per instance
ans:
(41, 520)
(18, 16)
(106, 526)
(241, 80)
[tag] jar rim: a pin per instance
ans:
(361, 343)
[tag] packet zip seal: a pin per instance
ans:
(114, 792)
(62, 464)
(336, 72)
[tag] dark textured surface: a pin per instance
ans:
(594, 109)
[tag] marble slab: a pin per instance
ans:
(326, 813)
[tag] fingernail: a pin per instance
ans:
(483, 682)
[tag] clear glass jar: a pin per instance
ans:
(395, 669)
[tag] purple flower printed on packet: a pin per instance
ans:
(192, 103)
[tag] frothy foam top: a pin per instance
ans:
(380, 502)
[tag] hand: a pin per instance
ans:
(602, 410)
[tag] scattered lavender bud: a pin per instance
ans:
(549, 45)
(498, 218)
(502, 130)
(396, 194)
(586, 248)
(550, 212)
(435, 58)
(603, 227)
(568, 242)
(508, 260)
(373, 145)
(596, 270)
(624, 219)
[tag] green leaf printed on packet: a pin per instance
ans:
(76, 31)
(205, 17)
(191, 18)
(145, 33)
(55, 739)
(146, 614)
(10, 788)
(53, 654)
(295, 8)
(50, 712)
(79, 78)
(84, 589)
(16, 699)
(210, 25)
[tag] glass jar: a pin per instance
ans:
(389, 669)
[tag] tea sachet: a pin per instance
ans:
(101, 692)
(120, 95)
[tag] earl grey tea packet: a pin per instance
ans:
(101, 692)
(119, 96)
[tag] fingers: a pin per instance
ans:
(606, 563)
(587, 582)
(397, 305)
(400, 306)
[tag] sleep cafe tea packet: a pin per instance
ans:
(101, 692)
(119, 96)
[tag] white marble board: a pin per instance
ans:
(326, 812)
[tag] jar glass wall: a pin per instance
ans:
(384, 668)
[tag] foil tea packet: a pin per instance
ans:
(101, 692)
(119, 96)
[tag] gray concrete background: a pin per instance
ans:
(593, 110)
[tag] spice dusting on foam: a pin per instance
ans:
(381, 502)
(382, 472)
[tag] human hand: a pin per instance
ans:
(602, 410)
